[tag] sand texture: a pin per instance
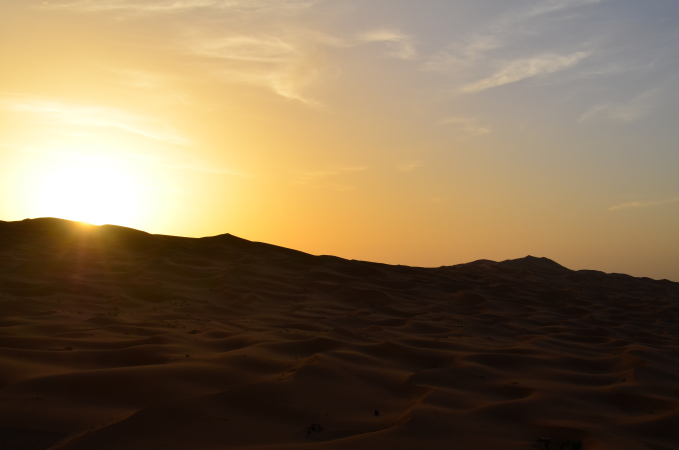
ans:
(112, 338)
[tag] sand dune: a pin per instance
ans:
(112, 338)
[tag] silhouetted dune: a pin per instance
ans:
(115, 338)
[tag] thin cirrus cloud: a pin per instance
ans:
(465, 125)
(525, 68)
(255, 49)
(255, 42)
(547, 7)
(285, 62)
(552, 5)
(176, 161)
(639, 204)
(400, 45)
(197, 165)
(135, 78)
(282, 64)
(93, 116)
(520, 44)
(327, 178)
(504, 32)
(263, 56)
(624, 111)
(532, 20)
(179, 161)
(288, 78)
(176, 6)
(409, 166)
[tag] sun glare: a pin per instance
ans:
(91, 190)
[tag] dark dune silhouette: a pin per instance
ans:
(114, 338)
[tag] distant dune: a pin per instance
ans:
(112, 338)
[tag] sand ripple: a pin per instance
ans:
(112, 338)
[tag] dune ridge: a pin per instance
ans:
(115, 338)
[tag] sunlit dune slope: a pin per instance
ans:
(113, 338)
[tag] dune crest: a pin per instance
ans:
(115, 338)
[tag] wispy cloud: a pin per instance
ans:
(517, 23)
(327, 178)
(255, 42)
(136, 78)
(197, 165)
(525, 68)
(409, 166)
(284, 63)
(500, 33)
(93, 116)
(168, 160)
(556, 5)
(262, 49)
(266, 43)
(175, 6)
(400, 45)
(625, 111)
(521, 43)
(643, 204)
(288, 79)
(465, 125)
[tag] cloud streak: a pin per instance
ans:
(409, 166)
(503, 32)
(626, 111)
(319, 178)
(526, 68)
(265, 43)
(177, 6)
(521, 43)
(254, 42)
(639, 204)
(465, 125)
(93, 116)
(401, 45)
(177, 161)
(196, 165)
(284, 61)
(256, 49)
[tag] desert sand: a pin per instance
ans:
(113, 338)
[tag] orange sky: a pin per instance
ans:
(409, 132)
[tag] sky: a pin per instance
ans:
(423, 133)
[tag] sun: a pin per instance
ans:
(97, 191)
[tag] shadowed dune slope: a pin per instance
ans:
(112, 338)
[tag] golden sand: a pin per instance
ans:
(112, 338)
